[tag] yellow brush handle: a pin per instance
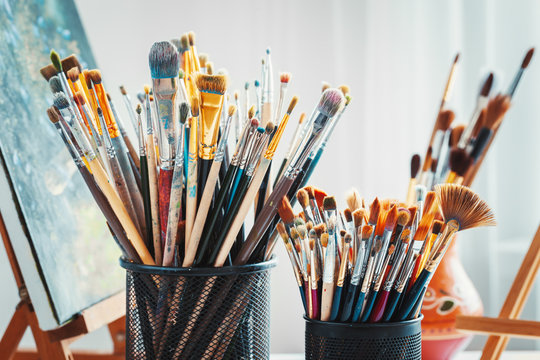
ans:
(326, 302)
(154, 200)
(200, 219)
(129, 227)
(410, 192)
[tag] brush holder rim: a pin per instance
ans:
(363, 330)
(196, 271)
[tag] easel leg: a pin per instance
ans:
(118, 334)
(516, 298)
(14, 333)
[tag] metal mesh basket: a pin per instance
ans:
(343, 341)
(195, 313)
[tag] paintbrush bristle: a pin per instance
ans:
(55, 59)
(391, 218)
(353, 199)
(366, 231)
(320, 229)
(260, 130)
(486, 88)
(374, 211)
(256, 83)
(191, 38)
(310, 192)
(463, 205)
(405, 236)
(184, 42)
(345, 90)
(325, 86)
(123, 90)
(294, 233)
(348, 215)
(412, 211)
(444, 120)
(292, 104)
(254, 123)
(194, 106)
(309, 225)
(303, 198)
(342, 233)
(285, 77)
(377, 246)
(231, 110)
(55, 84)
(53, 115)
(459, 161)
(437, 227)
(358, 217)
(302, 118)
(302, 231)
(348, 238)
(251, 112)
(433, 167)
(73, 74)
(60, 100)
(209, 68)
(71, 62)
(423, 228)
(79, 98)
(324, 239)
(331, 102)
(429, 201)
(138, 109)
(403, 217)
(216, 84)
(203, 58)
(415, 165)
(285, 211)
(496, 109)
(329, 203)
(379, 228)
(95, 76)
(270, 127)
(163, 60)
(427, 161)
(527, 58)
(147, 89)
(183, 110)
(455, 135)
(48, 71)
(177, 44)
(282, 232)
(319, 196)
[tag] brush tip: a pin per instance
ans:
(488, 83)
(55, 59)
(302, 118)
(195, 106)
(344, 89)
(459, 161)
(251, 112)
(60, 100)
(231, 110)
(73, 74)
(285, 211)
(415, 165)
(163, 60)
(269, 129)
(191, 38)
(123, 90)
(527, 58)
(331, 102)
(79, 98)
(437, 227)
(303, 198)
(292, 104)
(215, 84)
(348, 215)
(285, 77)
(183, 110)
(256, 83)
(53, 115)
(325, 86)
(403, 217)
(445, 119)
(55, 84)
(254, 122)
(358, 217)
(456, 59)
(138, 109)
(246, 85)
(147, 89)
(329, 203)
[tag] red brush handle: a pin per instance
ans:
(164, 190)
(415, 271)
(378, 310)
(315, 301)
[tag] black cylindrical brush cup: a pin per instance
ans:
(195, 313)
(379, 341)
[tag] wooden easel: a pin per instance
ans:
(507, 324)
(54, 344)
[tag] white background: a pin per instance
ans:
(395, 56)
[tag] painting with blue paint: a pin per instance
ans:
(71, 245)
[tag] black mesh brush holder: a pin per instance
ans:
(196, 313)
(380, 341)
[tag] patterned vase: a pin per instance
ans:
(450, 293)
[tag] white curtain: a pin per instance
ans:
(395, 56)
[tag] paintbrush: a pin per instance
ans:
(290, 252)
(328, 279)
(129, 108)
(292, 147)
(415, 166)
(175, 203)
(336, 302)
(238, 117)
(145, 187)
(208, 193)
(152, 180)
(332, 101)
(192, 177)
(102, 181)
(196, 66)
(375, 249)
(459, 163)
(164, 64)
(127, 141)
(524, 64)
(435, 231)
(212, 89)
(203, 59)
(481, 103)
(462, 209)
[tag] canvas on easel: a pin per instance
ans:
(66, 259)
(507, 324)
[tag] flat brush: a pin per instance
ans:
(524, 64)
(462, 209)
(332, 101)
(177, 184)
(208, 193)
(212, 89)
(101, 179)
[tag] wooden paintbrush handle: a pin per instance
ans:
(123, 192)
(131, 231)
(202, 212)
(164, 193)
(191, 199)
(154, 199)
(132, 152)
(326, 301)
(173, 217)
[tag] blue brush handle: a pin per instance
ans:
(236, 181)
(391, 305)
(369, 305)
(418, 304)
(358, 307)
(335, 303)
(352, 293)
(413, 295)
(311, 166)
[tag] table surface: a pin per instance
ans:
(467, 355)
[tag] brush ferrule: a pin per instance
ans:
(78, 135)
(257, 154)
(165, 102)
(149, 121)
(248, 148)
(142, 145)
(220, 152)
(210, 114)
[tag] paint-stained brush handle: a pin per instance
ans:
(164, 191)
